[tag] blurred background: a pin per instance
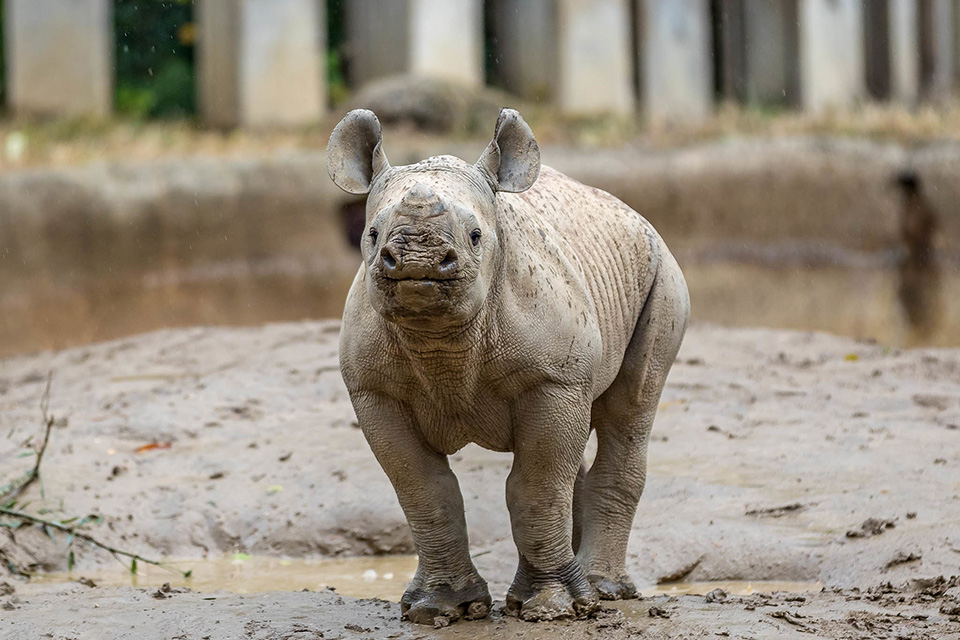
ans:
(161, 162)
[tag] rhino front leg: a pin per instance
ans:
(446, 583)
(550, 436)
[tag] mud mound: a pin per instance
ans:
(769, 447)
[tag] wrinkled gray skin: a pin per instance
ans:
(516, 313)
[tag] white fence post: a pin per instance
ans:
(59, 56)
(676, 71)
(261, 62)
(595, 59)
(832, 67)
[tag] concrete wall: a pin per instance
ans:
(675, 59)
(59, 56)
(93, 253)
(262, 62)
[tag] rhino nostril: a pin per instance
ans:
(389, 260)
(449, 262)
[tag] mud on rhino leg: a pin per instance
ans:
(551, 431)
(623, 418)
(446, 583)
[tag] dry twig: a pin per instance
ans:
(10, 491)
(74, 533)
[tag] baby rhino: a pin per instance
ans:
(517, 312)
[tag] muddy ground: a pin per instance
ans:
(776, 456)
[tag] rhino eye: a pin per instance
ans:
(475, 237)
(373, 234)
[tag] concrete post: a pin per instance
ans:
(446, 40)
(377, 35)
(904, 52)
(941, 81)
(261, 62)
(759, 51)
(430, 38)
(772, 52)
(59, 56)
(594, 57)
(956, 46)
(676, 72)
(831, 53)
(732, 51)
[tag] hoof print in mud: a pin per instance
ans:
(621, 588)
(442, 606)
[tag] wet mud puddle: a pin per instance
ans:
(384, 577)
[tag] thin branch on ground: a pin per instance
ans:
(74, 532)
(10, 491)
(14, 489)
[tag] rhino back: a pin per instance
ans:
(614, 247)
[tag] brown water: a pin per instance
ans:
(384, 577)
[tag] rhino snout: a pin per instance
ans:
(411, 265)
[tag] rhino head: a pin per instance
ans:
(432, 249)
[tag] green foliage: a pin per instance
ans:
(336, 41)
(155, 58)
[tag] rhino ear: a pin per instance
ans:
(355, 154)
(511, 161)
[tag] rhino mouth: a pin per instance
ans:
(400, 278)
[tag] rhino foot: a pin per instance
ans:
(540, 596)
(442, 605)
(616, 588)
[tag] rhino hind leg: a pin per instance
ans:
(606, 497)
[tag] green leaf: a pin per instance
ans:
(240, 557)
(90, 519)
(70, 561)
(188, 573)
(133, 566)
(49, 533)
(27, 454)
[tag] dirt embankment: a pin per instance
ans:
(98, 252)
(776, 456)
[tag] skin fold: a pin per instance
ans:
(505, 304)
